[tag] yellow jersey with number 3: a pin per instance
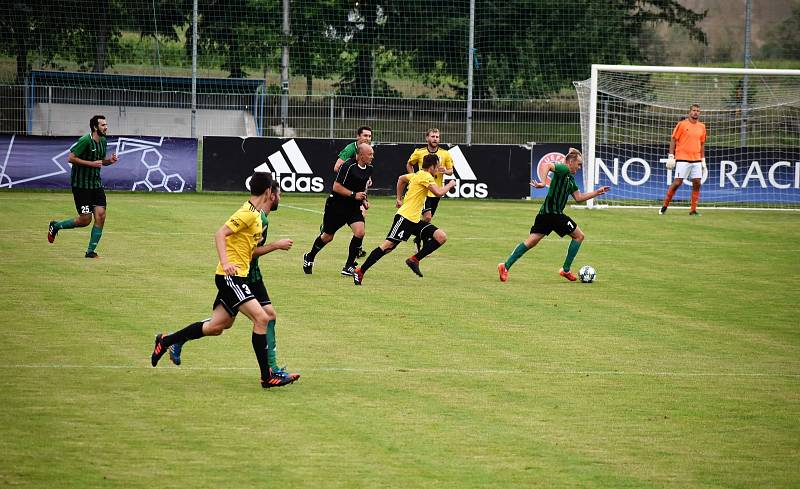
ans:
(416, 192)
(444, 159)
(246, 226)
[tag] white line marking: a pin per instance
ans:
(302, 209)
(8, 154)
(606, 373)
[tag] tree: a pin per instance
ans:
(562, 40)
(242, 31)
(24, 24)
(89, 40)
(315, 42)
(524, 47)
(783, 40)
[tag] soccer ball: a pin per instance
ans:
(586, 274)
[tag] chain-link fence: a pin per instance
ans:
(482, 71)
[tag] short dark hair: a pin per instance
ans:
(94, 122)
(260, 182)
(275, 186)
(429, 160)
(362, 129)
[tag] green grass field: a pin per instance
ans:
(678, 368)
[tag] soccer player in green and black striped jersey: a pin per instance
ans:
(363, 135)
(551, 215)
(87, 155)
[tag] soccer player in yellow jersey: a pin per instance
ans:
(235, 241)
(687, 157)
(408, 220)
(432, 137)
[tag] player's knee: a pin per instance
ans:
(270, 312)
(260, 321)
(578, 236)
(440, 236)
(358, 234)
(212, 329)
(326, 238)
(83, 220)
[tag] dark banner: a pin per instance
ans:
(306, 165)
(734, 174)
(549, 153)
(150, 164)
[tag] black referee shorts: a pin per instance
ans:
(337, 214)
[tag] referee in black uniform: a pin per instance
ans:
(343, 206)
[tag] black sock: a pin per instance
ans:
(316, 247)
(429, 247)
(260, 348)
(355, 245)
(192, 332)
(373, 257)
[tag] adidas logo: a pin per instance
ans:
(290, 174)
(464, 178)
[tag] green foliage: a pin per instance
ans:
(523, 48)
(783, 41)
(665, 373)
(24, 29)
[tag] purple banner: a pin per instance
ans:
(149, 164)
(735, 175)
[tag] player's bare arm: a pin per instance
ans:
(219, 240)
(110, 161)
(340, 189)
(337, 165)
(72, 158)
(402, 182)
(544, 170)
(583, 197)
(281, 244)
(536, 184)
(440, 191)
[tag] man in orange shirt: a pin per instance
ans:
(686, 157)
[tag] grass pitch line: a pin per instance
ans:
(606, 373)
(315, 211)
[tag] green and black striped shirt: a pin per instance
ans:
(562, 185)
(87, 149)
(255, 273)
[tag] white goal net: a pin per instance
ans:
(752, 119)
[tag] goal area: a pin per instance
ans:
(752, 149)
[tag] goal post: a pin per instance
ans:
(752, 118)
